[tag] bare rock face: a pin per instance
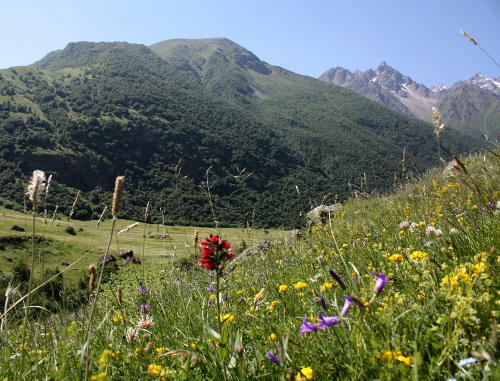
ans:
(70, 230)
(320, 214)
(126, 253)
(108, 258)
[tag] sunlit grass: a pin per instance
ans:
(435, 318)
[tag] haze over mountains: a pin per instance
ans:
(204, 130)
(471, 106)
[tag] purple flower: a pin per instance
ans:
(381, 282)
(323, 304)
(226, 297)
(143, 288)
(347, 304)
(327, 321)
(208, 288)
(145, 308)
(354, 244)
(337, 279)
(271, 357)
(308, 326)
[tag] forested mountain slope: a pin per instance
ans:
(272, 142)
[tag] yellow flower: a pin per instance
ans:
(306, 372)
(272, 337)
(117, 318)
(227, 318)
(274, 303)
(404, 360)
(154, 370)
(299, 285)
(389, 355)
(396, 258)
(282, 288)
(479, 268)
(418, 255)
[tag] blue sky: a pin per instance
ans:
(420, 38)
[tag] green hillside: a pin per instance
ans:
(472, 111)
(198, 128)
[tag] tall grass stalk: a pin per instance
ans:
(37, 182)
(117, 198)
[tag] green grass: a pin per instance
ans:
(436, 238)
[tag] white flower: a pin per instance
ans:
(131, 335)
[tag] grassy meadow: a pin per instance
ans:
(403, 286)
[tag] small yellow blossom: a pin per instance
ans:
(272, 337)
(396, 258)
(274, 303)
(306, 372)
(227, 318)
(282, 288)
(418, 255)
(154, 370)
(299, 285)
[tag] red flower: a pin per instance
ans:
(213, 251)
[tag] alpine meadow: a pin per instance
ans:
(186, 211)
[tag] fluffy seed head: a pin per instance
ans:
(117, 196)
(37, 182)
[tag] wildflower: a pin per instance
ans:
(323, 304)
(37, 182)
(131, 335)
(453, 231)
(145, 322)
(381, 282)
(418, 255)
(431, 230)
(307, 326)
(145, 308)
(154, 370)
(299, 285)
(404, 224)
(272, 337)
(142, 288)
(306, 372)
(337, 279)
(479, 268)
(213, 251)
(327, 321)
(271, 357)
(470, 360)
(227, 318)
(274, 303)
(282, 288)
(347, 304)
(396, 258)
(208, 288)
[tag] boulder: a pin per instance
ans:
(126, 253)
(17, 228)
(134, 260)
(64, 263)
(109, 258)
(80, 230)
(292, 236)
(255, 250)
(69, 229)
(320, 214)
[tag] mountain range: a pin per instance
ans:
(471, 106)
(203, 130)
